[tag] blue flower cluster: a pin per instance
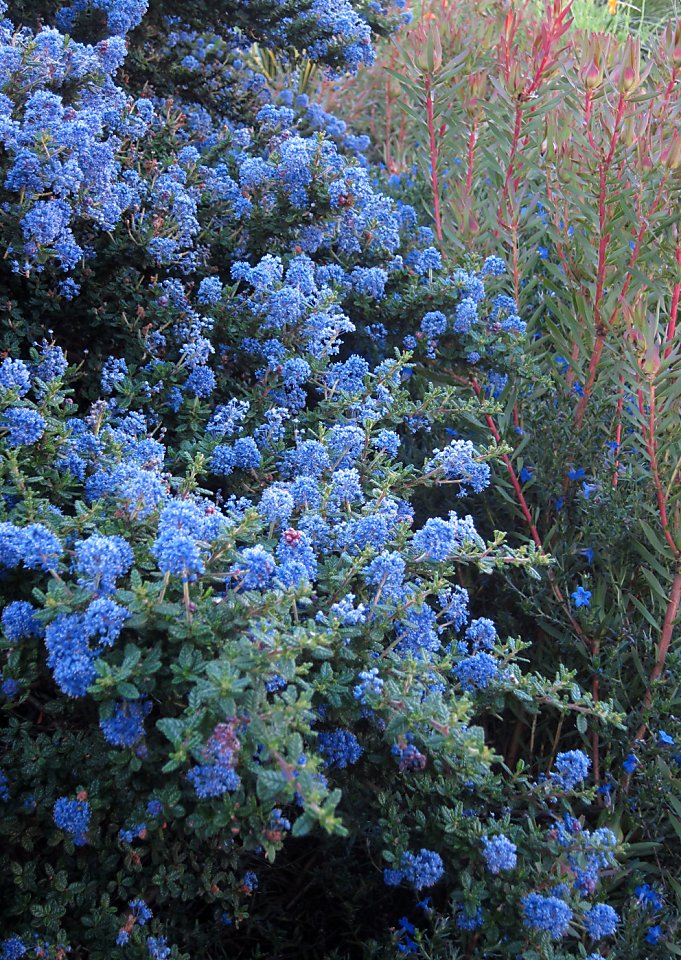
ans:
(73, 816)
(550, 914)
(340, 748)
(231, 540)
(573, 767)
(422, 869)
(499, 853)
(217, 775)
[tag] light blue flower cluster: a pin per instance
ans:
(419, 870)
(499, 853)
(573, 767)
(550, 914)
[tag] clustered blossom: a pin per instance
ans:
(284, 505)
(125, 727)
(550, 914)
(573, 767)
(458, 463)
(221, 752)
(499, 853)
(419, 870)
(73, 816)
(601, 921)
(340, 748)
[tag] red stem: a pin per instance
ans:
(433, 160)
(604, 238)
(522, 502)
(651, 447)
(664, 643)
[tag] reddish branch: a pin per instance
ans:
(592, 645)
(604, 239)
(433, 158)
(672, 610)
(664, 644)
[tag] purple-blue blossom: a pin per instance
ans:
(573, 767)
(549, 914)
(339, 748)
(73, 816)
(125, 726)
(422, 869)
(601, 921)
(499, 853)
(581, 597)
(458, 463)
(19, 622)
(101, 561)
(477, 672)
(23, 427)
(13, 948)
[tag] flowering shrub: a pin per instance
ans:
(255, 699)
(557, 151)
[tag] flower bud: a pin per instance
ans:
(671, 155)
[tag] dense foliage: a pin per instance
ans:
(265, 672)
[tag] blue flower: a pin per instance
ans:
(493, 267)
(546, 913)
(213, 780)
(630, 763)
(73, 816)
(25, 427)
(254, 569)
(18, 621)
(664, 739)
(422, 869)
(125, 727)
(477, 672)
(576, 474)
(481, 633)
(386, 571)
(340, 748)
(573, 767)
(457, 463)
(601, 921)
(178, 554)
(158, 948)
(581, 597)
(69, 654)
(104, 619)
(654, 934)
(499, 853)
(114, 371)
(10, 688)
(387, 441)
(15, 375)
(434, 324)
(648, 897)
(101, 561)
(436, 540)
(13, 949)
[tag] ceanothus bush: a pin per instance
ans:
(237, 655)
